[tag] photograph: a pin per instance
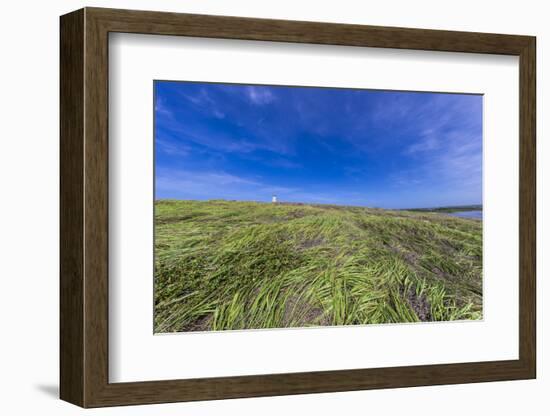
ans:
(288, 206)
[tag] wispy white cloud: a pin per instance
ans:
(205, 103)
(171, 147)
(428, 140)
(451, 172)
(187, 184)
(161, 108)
(259, 95)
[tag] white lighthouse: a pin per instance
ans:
(274, 199)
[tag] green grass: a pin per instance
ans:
(237, 265)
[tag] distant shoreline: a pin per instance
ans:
(454, 208)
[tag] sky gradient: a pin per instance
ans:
(383, 149)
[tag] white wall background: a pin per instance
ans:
(29, 210)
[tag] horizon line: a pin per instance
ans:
(323, 203)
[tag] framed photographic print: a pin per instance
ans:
(255, 207)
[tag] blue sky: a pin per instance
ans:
(385, 149)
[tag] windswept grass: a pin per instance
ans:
(236, 265)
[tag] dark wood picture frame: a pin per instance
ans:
(84, 207)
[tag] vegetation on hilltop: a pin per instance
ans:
(239, 265)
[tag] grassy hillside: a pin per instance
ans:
(235, 265)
